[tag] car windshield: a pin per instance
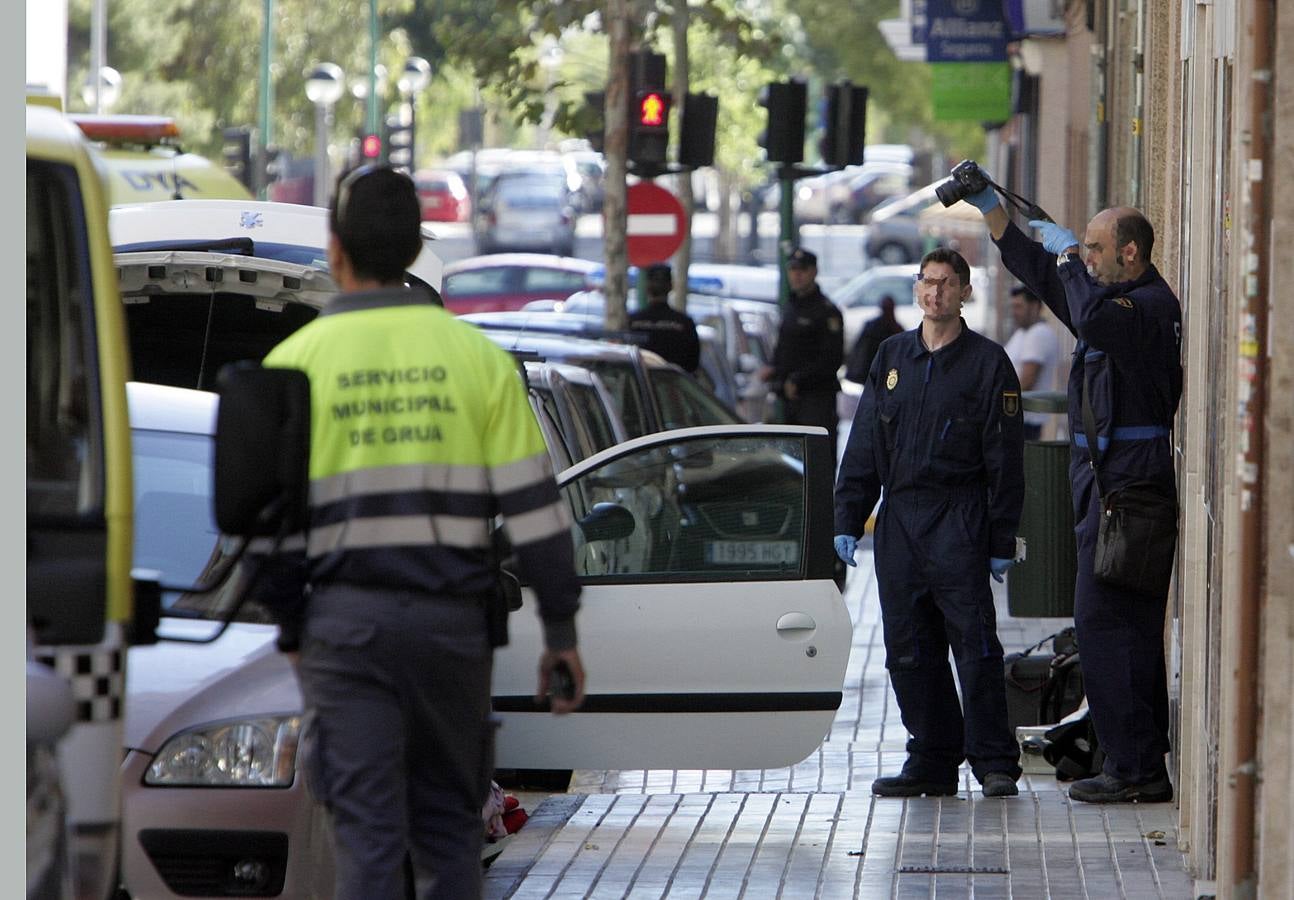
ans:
(684, 404)
(623, 386)
(867, 291)
(175, 530)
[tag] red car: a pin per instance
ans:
(443, 195)
(503, 281)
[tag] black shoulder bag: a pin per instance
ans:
(1137, 537)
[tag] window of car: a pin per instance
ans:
(556, 281)
(703, 509)
(869, 292)
(683, 403)
(622, 384)
(494, 280)
(588, 408)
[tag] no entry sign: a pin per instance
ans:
(655, 224)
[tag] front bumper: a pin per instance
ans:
(221, 842)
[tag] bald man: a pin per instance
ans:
(1128, 325)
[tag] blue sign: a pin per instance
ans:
(965, 31)
(1035, 17)
(918, 21)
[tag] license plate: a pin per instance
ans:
(763, 553)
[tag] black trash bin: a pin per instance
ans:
(1043, 585)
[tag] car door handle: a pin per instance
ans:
(796, 624)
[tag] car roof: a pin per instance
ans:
(534, 260)
(159, 407)
(557, 346)
(140, 227)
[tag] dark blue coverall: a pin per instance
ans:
(810, 348)
(1129, 344)
(941, 433)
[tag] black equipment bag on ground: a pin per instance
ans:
(1072, 747)
(1043, 688)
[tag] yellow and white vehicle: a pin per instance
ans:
(81, 598)
(144, 161)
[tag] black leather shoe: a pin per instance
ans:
(999, 784)
(904, 785)
(1108, 789)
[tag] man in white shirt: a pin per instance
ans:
(1033, 350)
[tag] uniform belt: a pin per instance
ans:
(1124, 433)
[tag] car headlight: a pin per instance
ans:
(250, 753)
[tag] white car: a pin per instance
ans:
(859, 299)
(712, 632)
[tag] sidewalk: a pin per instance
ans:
(815, 830)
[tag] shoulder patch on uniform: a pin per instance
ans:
(892, 379)
(1125, 302)
(1010, 403)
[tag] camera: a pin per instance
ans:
(967, 178)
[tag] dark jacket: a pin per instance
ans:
(668, 332)
(1129, 348)
(869, 341)
(810, 344)
(946, 421)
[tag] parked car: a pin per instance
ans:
(899, 229)
(859, 300)
(527, 209)
(503, 281)
(206, 282)
(650, 394)
(575, 411)
(443, 195)
(215, 802)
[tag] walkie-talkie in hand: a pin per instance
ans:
(561, 683)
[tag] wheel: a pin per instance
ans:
(893, 254)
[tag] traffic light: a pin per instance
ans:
(786, 101)
(649, 110)
(399, 143)
(595, 116)
(270, 165)
(237, 153)
(842, 141)
(370, 148)
(696, 133)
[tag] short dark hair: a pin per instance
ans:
(1021, 291)
(376, 215)
(1134, 227)
(659, 279)
(950, 257)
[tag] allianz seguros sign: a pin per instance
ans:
(962, 31)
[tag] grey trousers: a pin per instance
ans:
(402, 746)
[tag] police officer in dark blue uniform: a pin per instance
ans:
(938, 427)
(1128, 324)
(810, 348)
(665, 330)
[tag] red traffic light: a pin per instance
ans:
(653, 109)
(371, 146)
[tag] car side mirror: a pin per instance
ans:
(607, 522)
(261, 474)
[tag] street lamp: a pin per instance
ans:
(414, 78)
(105, 96)
(324, 86)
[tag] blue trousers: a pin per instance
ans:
(1121, 642)
(398, 688)
(932, 571)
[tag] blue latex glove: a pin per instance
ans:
(985, 199)
(845, 547)
(1056, 238)
(997, 567)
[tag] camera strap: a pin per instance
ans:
(1027, 207)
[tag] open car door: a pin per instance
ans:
(711, 631)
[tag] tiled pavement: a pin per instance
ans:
(814, 830)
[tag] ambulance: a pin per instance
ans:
(83, 604)
(144, 161)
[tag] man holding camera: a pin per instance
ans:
(937, 440)
(1127, 321)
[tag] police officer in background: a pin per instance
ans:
(810, 349)
(938, 428)
(666, 331)
(1128, 324)
(385, 597)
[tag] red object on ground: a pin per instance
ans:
(513, 819)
